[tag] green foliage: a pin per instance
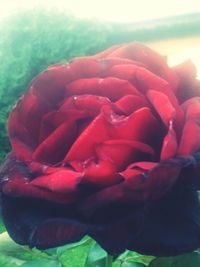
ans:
(96, 257)
(85, 253)
(187, 260)
(2, 227)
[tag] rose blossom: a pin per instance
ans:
(108, 146)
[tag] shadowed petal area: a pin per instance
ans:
(15, 181)
(40, 224)
(115, 236)
(172, 226)
(149, 184)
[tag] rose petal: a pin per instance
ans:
(136, 168)
(63, 181)
(121, 152)
(53, 120)
(149, 58)
(189, 86)
(40, 224)
(103, 173)
(144, 81)
(147, 186)
(51, 83)
(55, 146)
(169, 147)
(110, 87)
(111, 126)
(191, 108)
(190, 139)
(90, 104)
(162, 105)
(172, 225)
(130, 103)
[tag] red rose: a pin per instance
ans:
(106, 145)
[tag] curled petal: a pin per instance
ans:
(63, 181)
(110, 87)
(54, 148)
(162, 105)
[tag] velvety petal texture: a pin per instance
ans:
(108, 146)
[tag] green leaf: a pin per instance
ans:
(8, 261)
(96, 257)
(134, 257)
(132, 264)
(2, 227)
(76, 256)
(86, 240)
(8, 246)
(187, 260)
(124, 255)
(42, 263)
(20, 254)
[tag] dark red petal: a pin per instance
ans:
(190, 139)
(162, 105)
(21, 140)
(139, 188)
(90, 104)
(189, 86)
(155, 182)
(39, 223)
(169, 146)
(62, 181)
(111, 87)
(121, 152)
(53, 120)
(152, 60)
(30, 110)
(107, 126)
(137, 168)
(55, 146)
(103, 173)
(191, 108)
(51, 83)
(130, 103)
(144, 80)
(23, 152)
(18, 187)
(83, 147)
(57, 231)
(172, 225)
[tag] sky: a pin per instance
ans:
(107, 10)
